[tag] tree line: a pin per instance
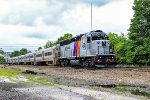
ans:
(52, 43)
(22, 51)
(135, 48)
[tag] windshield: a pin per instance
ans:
(99, 38)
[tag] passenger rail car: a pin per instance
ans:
(88, 49)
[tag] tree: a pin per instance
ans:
(64, 37)
(39, 48)
(2, 60)
(139, 31)
(23, 51)
(49, 44)
(1, 51)
(15, 53)
(29, 51)
(120, 44)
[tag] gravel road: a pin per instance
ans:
(8, 92)
(13, 91)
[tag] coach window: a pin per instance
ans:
(88, 39)
(45, 54)
(31, 56)
(106, 37)
(49, 53)
(40, 55)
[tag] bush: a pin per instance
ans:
(2, 60)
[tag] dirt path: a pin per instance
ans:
(128, 76)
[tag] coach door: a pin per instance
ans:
(43, 55)
(83, 46)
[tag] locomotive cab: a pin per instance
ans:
(104, 51)
(96, 46)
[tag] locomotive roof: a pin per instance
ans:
(98, 33)
(78, 37)
(68, 41)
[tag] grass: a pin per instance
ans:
(41, 79)
(141, 93)
(121, 89)
(9, 72)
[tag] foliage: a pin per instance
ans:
(2, 60)
(1, 51)
(49, 44)
(39, 48)
(139, 31)
(14, 54)
(119, 43)
(64, 37)
(136, 49)
(23, 51)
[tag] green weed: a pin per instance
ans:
(9, 72)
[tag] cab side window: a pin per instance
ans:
(88, 39)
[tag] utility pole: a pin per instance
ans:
(91, 16)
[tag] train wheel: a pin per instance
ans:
(91, 64)
(86, 63)
(57, 63)
(66, 63)
(62, 63)
(82, 63)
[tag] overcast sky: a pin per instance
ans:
(31, 23)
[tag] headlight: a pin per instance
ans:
(112, 57)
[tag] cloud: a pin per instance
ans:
(26, 11)
(37, 35)
(113, 17)
(35, 22)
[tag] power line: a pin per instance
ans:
(19, 45)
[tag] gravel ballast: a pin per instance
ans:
(8, 92)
